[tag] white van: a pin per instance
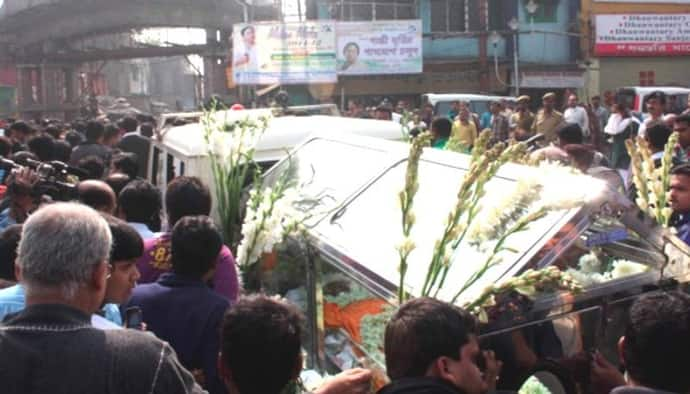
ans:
(634, 97)
(479, 103)
(182, 150)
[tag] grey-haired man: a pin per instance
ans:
(51, 346)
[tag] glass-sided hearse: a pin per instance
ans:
(344, 272)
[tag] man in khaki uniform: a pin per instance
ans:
(522, 119)
(548, 119)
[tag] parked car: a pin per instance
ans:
(479, 103)
(634, 98)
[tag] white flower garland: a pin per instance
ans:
(267, 223)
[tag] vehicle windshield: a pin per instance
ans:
(476, 106)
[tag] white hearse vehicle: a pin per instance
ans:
(182, 150)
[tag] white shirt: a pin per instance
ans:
(578, 115)
(617, 124)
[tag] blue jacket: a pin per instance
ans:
(187, 314)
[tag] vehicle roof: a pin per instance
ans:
(666, 89)
(283, 133)
(463, 96)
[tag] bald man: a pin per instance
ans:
(98, 195)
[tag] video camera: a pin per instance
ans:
(55, 179)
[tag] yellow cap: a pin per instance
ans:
(523, 99)
(549, 95)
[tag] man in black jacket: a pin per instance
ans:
(431, 348)
(51, 347)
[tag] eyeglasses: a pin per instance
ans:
(110, 271)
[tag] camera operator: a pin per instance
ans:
(21, 198)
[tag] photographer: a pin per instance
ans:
(21, 198)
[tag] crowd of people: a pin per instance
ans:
(587, 136)
(125, 289)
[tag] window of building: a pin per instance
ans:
(360, 10)
(498, 14)
(448, 16)
(647, 78)
(547, 11)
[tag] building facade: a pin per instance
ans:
(610, 66)
(468, 46)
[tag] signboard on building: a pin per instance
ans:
(646, 1)
(552, 79)
(380, 47)
(285, 53)
(642, 35)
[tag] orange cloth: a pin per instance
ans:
(350, 317)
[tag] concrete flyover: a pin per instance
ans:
(26, 23)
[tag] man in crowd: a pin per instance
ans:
(261, 351)
(140, 203)
(427, 115)
(506, 108)
(9, 239)
(136, 142)
(43, 146)
(656, 104)
(98, 195)
(577, 114)
(464, 129)
(521, 121)
(111, 136)
(655, 349)
(431, 347)
(681, 125)
(499, 124)
(383, 112)
(46, 348)
(19, 133)
(125, 163)
(548, 120)
(657, 137)
(601, 112)
(187, 196)
(687, 111)
(679, 200)
(464, 105)
(441, 129)
(93, 145)
(179, 308)
(20, 199)
(454, 110)
(127, 248)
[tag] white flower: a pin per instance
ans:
(406, 246)
(589, 264)
(622, 268)
(492, 222)
(267, 224)
(586, 280)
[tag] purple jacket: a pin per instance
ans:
(156, 260)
